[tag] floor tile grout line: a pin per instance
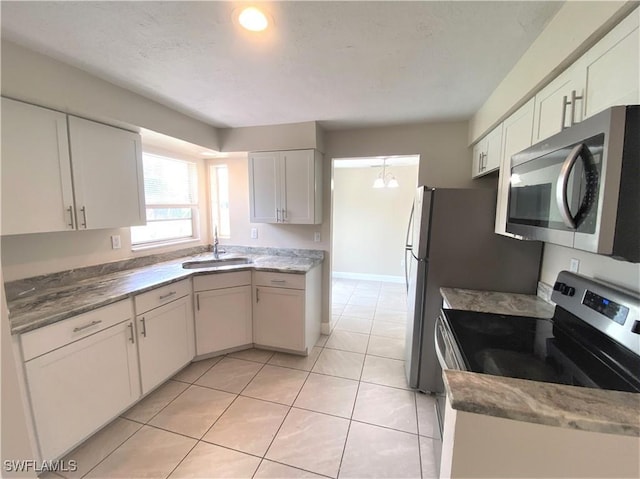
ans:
(182, 460)
(415, 400)
(114, 450)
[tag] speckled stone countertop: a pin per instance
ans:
(573, 407)
(52, 298)
(496, 302)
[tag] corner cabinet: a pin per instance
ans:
(164, 323)
(286, 310)
(81, 373)
(61, 172)
(285, 187)
(223, 312)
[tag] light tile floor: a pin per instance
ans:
(344, 411)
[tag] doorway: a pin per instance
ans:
(371, 203)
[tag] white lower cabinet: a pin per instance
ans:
(223, 312)
(165, 332)
(286, 310)
(77, 388)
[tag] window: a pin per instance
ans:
(171, 194)
(219, 186)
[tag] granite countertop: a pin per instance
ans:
(596, 410)
(49, 299)
(497, 302)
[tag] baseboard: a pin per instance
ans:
(368, 277)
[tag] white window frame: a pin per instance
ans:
(214, 200)
(195, 211)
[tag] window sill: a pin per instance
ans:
(163, 244)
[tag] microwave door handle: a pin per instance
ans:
(563, 185)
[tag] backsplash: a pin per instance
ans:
(544, 292)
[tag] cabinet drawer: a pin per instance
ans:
(159, 296)
(279, 280)
(221, 280)
(48, 338)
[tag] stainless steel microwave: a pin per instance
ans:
(581, 187)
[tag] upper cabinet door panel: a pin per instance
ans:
(264, 181)
(516, 136)
(36, 173)
(299, 192)
(107, 175)
(612, 68)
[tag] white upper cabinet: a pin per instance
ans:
(612, 68)
(559, 104)
(37, 195)
(285, 187)
(516, 136)
(606, 75)
(107, 175)
(486, 153)
(60, 172)
(264, 187)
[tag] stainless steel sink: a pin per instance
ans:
(212, 263)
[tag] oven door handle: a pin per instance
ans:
(440, 333)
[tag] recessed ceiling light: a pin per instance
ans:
(253, 19)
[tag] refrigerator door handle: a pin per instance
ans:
(408, 247)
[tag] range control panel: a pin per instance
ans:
(606, 307)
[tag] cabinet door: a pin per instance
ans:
(298, 194)
(612, 68)
(516, 136)
(107, 175)
(493, 150)
(550, 109)
(165, 341)
(278, 318)
(80, 387)
(264, 187)
(36, 173)
(478, 158)
(223, 319)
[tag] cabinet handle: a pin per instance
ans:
(144, 327)
(131, 337)
(70, 210)
(257, 295)
(565, 103)
(198, 302)
(277, 215)
(84, 217)
(278, 280)
(574, 97)
(168, 295)
(81, 328)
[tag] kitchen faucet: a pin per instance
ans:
(216, 251)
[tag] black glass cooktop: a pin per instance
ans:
(562, 350)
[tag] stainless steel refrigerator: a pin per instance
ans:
(451, 243)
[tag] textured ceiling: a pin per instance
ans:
(345, 64)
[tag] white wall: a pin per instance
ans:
(290, 136)
(369, 224)
(575, 28)
(38, 79)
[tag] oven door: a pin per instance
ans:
(553, 193)
(448, 358)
